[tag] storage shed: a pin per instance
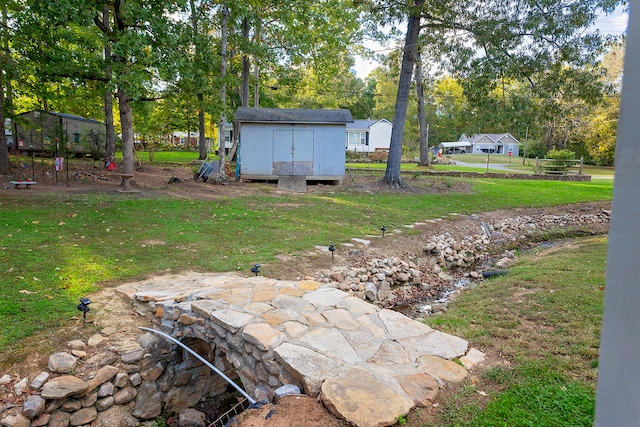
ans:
(51, 132)
(276, 143)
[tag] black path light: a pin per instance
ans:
(332, 249)
(256, 269)
(84, 308)
(383, 228)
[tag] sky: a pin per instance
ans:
(614, 24)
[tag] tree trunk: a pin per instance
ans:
(126, 120)
(246, 72)
(10, 74)
(425, 158)
(223, 88)
(202, 148)
(110, 133)
(5, 165)
(392, 174)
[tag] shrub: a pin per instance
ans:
(560, 158)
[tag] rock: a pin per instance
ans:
(356, 396)
(106, 389)
(473, 358)
(37, 383)
(336, 276)
(422, 388)
(103, 375)
(443, 369)
(71, 405)
(132, 357)
(180, 398)
(90, 399)
(79, 354)
(63, 386)
(371, 292)
(135, 379)
(104, 404)
(148, 403)
(77, 345)
(192, 418)
(125, 395)
(444, 276)
(286, 390)
(33, 406)
(41, 420)
(356, 253)
(5, 379)
(15, 420)
(59, 419)
(20, 386)
(109, 330)
(97, 340)
(83, 416)
(115, 416)
(62, 363)
(121, 379)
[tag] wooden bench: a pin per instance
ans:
(26, 184)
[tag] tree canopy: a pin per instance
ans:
(525, 67)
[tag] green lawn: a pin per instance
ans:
(57, 248)
(545, 319)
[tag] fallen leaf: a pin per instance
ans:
(482, 393)
(35, 222)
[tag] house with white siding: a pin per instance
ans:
(365, 136)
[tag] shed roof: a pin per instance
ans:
(63, 115)
(277, 115)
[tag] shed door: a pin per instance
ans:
(292, 152)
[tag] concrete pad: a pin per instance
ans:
(292, 184)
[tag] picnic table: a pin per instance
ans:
(26, 184)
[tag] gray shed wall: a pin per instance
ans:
(265, 150)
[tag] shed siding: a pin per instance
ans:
(266, 148)
(256, 152)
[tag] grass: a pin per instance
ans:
(544, 317)
(160, 157)
(56, 248)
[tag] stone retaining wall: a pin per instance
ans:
(126, 390)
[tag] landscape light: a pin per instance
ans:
(256, 269)
(332, 249)
(383, 228)
(84, 308)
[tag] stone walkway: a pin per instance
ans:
(369, 365)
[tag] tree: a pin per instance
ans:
(425, 157)
(482, 40)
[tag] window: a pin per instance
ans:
(228, 133)
(357, 138)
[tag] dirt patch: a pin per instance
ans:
(89, 177)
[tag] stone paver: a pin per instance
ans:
(369, 365)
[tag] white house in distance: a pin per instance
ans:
(485, 143)
(365, 136)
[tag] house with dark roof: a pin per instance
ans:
(485, 143)
(365, 136)
(275, 143)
